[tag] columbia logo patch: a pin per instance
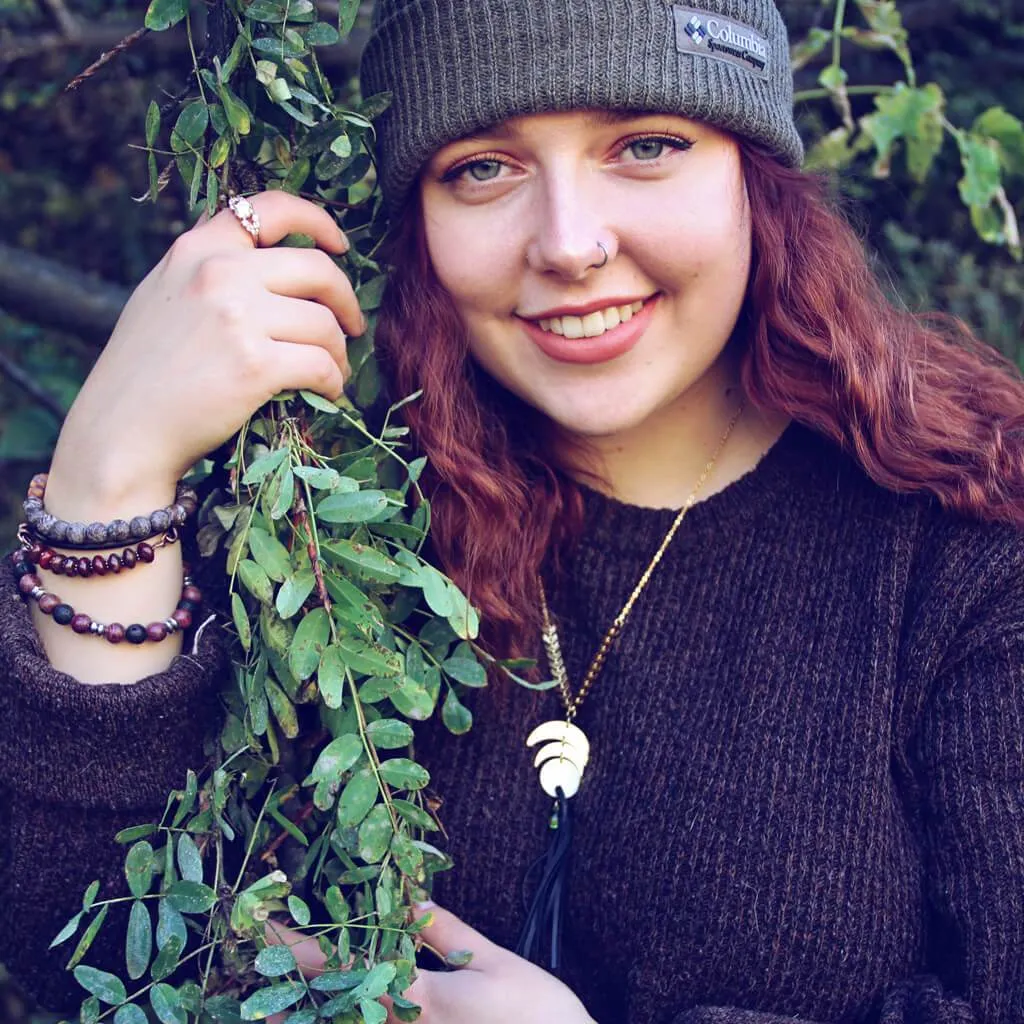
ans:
(717, 37)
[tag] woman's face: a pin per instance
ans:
(513, 217)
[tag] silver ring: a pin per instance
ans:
(598, 266)
(247, 216)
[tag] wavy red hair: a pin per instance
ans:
(918, 401)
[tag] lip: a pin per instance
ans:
(610, 345)
(590, 307)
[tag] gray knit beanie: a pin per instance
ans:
(454, 67)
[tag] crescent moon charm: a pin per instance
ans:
(563, 757)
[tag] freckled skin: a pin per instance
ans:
(524, 239)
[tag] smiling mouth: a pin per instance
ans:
(593, 325)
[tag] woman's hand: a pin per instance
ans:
(215, 330)
(496, 987)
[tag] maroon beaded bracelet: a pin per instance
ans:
(62, 564)
(63, 614)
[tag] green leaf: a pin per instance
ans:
(129, 835)
(347, 12)
(982, 179)
(169, 924)
(319, 403)
(240, 617)
(408, 858)
(163, 14)
(389, 734)
(375, 984)
(138, 868)
(1008, 132)
(338, 757)
(341, 147)
(138, 941)
(365, 561)
(360, 507)
(302, 1017)
(191, 897)
(293, 592)
(130, 1014)
(437, 591)
(273, 961)
(299, 911)
(90, 1012)
(239, 115)
(308, 645)
(270, 553)
(167, 959)
(106, 987)
(413, 700)
(190, 127)
(458, 719)
(370, 659)
(375, 834)
(402, 773)
(331, 677)
(166, 1005)
(467, 671)
(415, 815)
(190, 863)
(283, 708)
(68, 930)
(914, 115)
(322, 34)
(336, 905)
(152, 123)
(358, 796)
(256, 581)
(264, 466)
(372, 1012)
(267, 1001)
(321, 477)
(87, 937)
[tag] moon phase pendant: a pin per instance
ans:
(563, 757)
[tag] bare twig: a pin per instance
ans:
(38, 394)
(107, 55)
(44, 291)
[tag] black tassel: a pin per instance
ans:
(546, 909)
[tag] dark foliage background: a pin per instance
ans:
(74, 240)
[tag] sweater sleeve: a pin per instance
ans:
(81, 762)
(962, 776)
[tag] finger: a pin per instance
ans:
(280, 214)
(308, 367)
(306, 951)
(311, 274)
(305, 323)
(447, 934)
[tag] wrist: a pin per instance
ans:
(89, 491)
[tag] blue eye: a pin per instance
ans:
(483, 170)
(648, 149)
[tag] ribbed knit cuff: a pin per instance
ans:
(454, 67)
(105, 745)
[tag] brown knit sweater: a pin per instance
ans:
(806, 797)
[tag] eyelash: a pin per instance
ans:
(676, 142)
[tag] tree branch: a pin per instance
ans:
(45, 292)
(24, 381)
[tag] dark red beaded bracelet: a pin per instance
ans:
(63, 614)
(71, 565)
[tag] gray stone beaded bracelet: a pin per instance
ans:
(95, 536)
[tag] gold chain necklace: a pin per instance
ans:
(567, 750)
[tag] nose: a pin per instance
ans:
(570, 237)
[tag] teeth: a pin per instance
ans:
(593, 325)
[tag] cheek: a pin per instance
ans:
(474, 265)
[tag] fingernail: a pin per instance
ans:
(425, 905)
(345, 244)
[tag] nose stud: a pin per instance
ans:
(604, 252)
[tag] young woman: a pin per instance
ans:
(770, 524)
